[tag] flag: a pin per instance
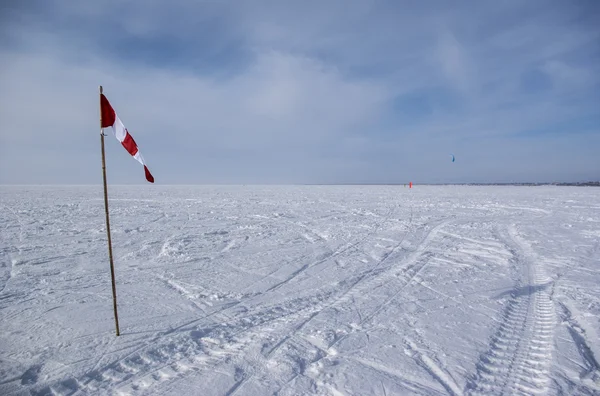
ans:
(110, 119)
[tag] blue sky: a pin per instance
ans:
(302, 92)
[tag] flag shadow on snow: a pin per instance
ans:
(523, 290)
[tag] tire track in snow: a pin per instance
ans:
(520, 353)
(155, 363)
(172, 354)
(165, 356)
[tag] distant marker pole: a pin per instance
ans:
(110, 255)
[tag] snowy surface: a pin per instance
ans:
(294, 290)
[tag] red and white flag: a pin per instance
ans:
(110, 119)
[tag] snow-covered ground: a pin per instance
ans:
(293, 290)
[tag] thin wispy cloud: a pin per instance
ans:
(303, 92)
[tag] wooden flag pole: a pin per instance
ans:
(110, 255)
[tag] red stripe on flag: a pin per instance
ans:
(149, 176)
(129, 144)
(106, 112)
(109, 118)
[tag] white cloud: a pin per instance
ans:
(453, 61)
(315, 96)
(282, 102)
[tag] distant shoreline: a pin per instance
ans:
(576, 184)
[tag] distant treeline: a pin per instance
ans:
(579, 184)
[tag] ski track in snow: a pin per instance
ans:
(302, 290)
(327, 256)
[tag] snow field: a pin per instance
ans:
(286, 290)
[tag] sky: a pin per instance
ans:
(302, 92)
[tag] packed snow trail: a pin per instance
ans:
(521, 349)
(284, 290)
